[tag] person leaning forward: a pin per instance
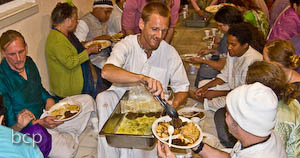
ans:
(250, 117)
(143, 58)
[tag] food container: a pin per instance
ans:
(111, 126)
(197, 21)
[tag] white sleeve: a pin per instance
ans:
(118, 55)
(224, 72)
(82, 30)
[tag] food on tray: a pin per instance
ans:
(65, 111)
(139, 126)
(133, 116)
(117, 36)
(102, 43)
(185, 135)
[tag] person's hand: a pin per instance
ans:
(24, 117)
(201, 91)
(200, 12)
(195, 60)
(164, 151)
(93, 49)
(49, 103)
(153, 85)
(203, 52)
(48, 122)
(103, 37)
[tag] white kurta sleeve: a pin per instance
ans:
(225, 71)
(118, 55)
(82, 30)
(178, 78)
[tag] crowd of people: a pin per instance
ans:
(253, 86)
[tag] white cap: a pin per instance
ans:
(103, 4)
(254, 108)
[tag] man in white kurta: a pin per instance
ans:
(134, 60)
(240, 56)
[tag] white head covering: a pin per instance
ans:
(103, 4)
(254, 108)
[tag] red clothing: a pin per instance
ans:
(133, 11)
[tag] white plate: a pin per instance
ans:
(211, 140)
(188, 55)
(167, 119)
(104, 43)
(191, 109)
(215, 8)
(62, 103)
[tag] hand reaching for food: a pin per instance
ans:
(24, 117)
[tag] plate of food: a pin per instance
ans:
(187, 56)
(103, 43)
(117, 37)
(65, 110)
(186, 134)
(215, 8)
(190, 112)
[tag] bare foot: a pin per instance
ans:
(192, 94)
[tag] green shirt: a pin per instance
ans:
(19, 93)
(64, 65)
(259, 20)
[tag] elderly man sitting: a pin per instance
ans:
(250, 117)
(21, 87)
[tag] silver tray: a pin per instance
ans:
(124, 140)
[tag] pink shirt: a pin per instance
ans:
(133, 11)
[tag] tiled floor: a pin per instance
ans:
(186, 40)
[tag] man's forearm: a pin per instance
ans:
(210, 152)
(214, 83)
(218, 65)
(169, 35)
(179, 98)
(116, 74)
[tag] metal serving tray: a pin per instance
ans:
(124, 140)
(196, 20)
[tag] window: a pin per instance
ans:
(4, 1)
(12, 11)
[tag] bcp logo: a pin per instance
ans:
(18, 138)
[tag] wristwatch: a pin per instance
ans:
(200, 147)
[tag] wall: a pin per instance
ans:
(35, 30)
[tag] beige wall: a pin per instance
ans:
(35, 29)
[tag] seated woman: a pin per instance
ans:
(253, 14)
(283, 53)
(288, 110)
(70, 70)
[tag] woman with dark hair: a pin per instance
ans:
(70, 70)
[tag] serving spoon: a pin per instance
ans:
(170, 131)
